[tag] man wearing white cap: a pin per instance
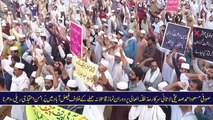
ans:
(141, 45)
(46, 44)
(68, 65)
(23, 45)
(11, 42)
(157, 24)
(186, 76)
(130, 45)
(194, 7)
(48, 83)
(20, 82)
(120, 112)
(36, 83)
(115, 67)
(103, 74)
(175, 66)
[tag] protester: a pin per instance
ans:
(123, 46)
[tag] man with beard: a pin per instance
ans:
(35, 82)
(130, 45)
(68, 65)
(23, 44)
(135, 83)
(142, 43)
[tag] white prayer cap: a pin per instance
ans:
(122, 85)
(25, 21)
(118, 8)
(19, 65)
(3, 23)
(106, 25)
(131, 31)
(37, 30)
(114, 35)
(132, 16)
(33, 74)
(104, 48)
(100, 33)
(69, 55)
(120, 32)
(161, 85)
(28, 12)
(118, 54)
(195, 25)
(34, 5)
(49, 77)
(185, 66)
(68, 37)
(90, 10)
(11, 38)
(5, 9)
(200, 19)
(96, 26)
(98, 88)
(105, 36)
(39, 51)
(114, 40)
(21, 36)
(104, 19)
(13, 48)
(125, 24)
(159, 16)
(183, 21)
(15, 21)
(104, 63)
(72, 83)
(143, 31)
(152, 89)
(112, 11)
(182, 58)
(8, 118)
(43, 34)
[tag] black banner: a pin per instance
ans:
(203, 43)
(176, 37)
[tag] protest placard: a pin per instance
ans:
(175, 37)
(172, 5)
(76, 39)
(85, 71)
(51, 112)
(203, 43)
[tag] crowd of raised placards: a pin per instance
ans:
(125, 39)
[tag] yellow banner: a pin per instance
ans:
(85, 71)
(51, 112)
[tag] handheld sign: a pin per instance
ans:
(76, 39)
(175, 37)
(85, 71)
(203, 43)
(172, 5)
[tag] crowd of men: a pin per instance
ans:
(123, 37)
